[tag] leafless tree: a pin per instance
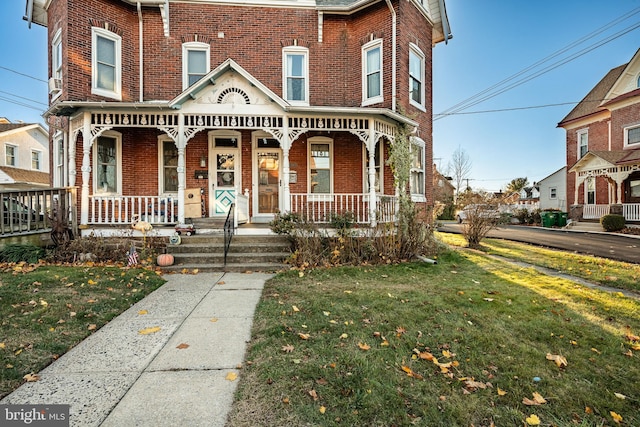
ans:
(460, 168)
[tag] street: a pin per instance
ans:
(606, 245)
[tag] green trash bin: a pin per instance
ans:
(563, 217)
(549, 219)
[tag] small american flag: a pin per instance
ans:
(133, 256)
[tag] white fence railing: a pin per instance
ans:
(121, 209)
(595, 211)
(631, 211)
(35, 211)
(321, 208)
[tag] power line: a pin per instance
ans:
(21, 104)
(23, 74)
(469, 102)
(531, 107)
(26, 99)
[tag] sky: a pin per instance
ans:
(502, 43)
(495, 44)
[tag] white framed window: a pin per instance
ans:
(379, 177)
(36, 160)
(320, 165)
(107, 164)
(417, 172)
(295, 75)
(632, 136)
(553, 193)
(590, 191)
(195, 62)
(56, 64)
(59, 178)
(167, 166)
(10, 155)
(416, 77)
(106, 63)
(583, 143)
(372, 72)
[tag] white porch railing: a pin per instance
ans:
(595, 211)
(320, 208)
(241, 211)
(631, 211)
(120, 209)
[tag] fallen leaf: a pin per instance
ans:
(635, 347)
(182, 346)
(287, 348)
(344, 336)
(533, 420)
(560, 361)
(213, 320)
(616, 417)
(313, 394)
(501, 392)
(30, 378)
(364, 346)
(2, 345)
(151, 330)
(231, 376)
(326, 313)
(323, 409)
(92, 327)
(300, 273)
(425, 355)
(595, 350)
(448, 354)
(285, 400)
(537, 400)
(474, 385)
(620, 396)
(221, 282)
(588, 410)
(296, 309)
(143, 312)
(488, 299)
(304, 336)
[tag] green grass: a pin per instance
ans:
(497, 321)
(47, 310)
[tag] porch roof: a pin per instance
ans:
(595, 159)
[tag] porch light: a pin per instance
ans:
(203, 161)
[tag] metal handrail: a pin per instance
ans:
(229, 230)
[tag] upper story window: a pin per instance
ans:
(168, 166)
(195, 62)
(416, 77)
(55, 85)
(295, 68)
(583, 143)
(632, 136)
(553, 193)
(320, 165)
(106, 63)
(36, 160)
(107, 162)
(372, 72)
(417, 173)
(10, 153)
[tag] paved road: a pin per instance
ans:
(614, 246)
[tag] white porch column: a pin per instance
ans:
(371, 149)
(70, 143)
(286, 146)
(181, 144)
(575, 190)
(87, 142)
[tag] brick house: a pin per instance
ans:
(603, 147)
(175, 110)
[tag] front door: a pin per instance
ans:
(224, 176)
(266, 201)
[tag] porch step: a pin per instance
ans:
(205, 252)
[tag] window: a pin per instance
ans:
(195, 62)
(372, 72)
(168, 167)
(416, 77)
(56, 63)
(320, 163)
(36, 157)
(59, 176)
(296, 75)
(416, 179)
(106, 63)
(631, 136)
(583, 143)
(10, 155)
(107, 165)
(553, 193)
(590, 189)
(377, 162)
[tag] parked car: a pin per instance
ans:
(17, 213)
(480, 210)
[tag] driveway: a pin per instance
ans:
(606, 245)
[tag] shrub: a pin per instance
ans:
(612, 222)
(18, 253)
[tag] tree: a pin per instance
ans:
(460, 167)
(517, 184)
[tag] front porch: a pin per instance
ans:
(630, 211)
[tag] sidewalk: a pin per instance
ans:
(175, 376)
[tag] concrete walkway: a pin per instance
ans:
(176, 375)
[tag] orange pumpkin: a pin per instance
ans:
(165, 260)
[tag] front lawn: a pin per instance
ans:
(472, 340)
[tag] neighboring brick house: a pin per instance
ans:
(603, 147)
(275, 106)
(25, 161)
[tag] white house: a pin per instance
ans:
(25, 164)
(553, 190)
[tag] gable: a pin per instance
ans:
(628, 79)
